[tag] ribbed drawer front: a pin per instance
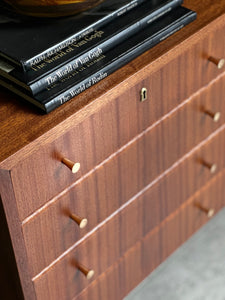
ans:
(121, 235)
(42, 175)
(145, 174)
(146, 255)
(114, 237)
(126, 173)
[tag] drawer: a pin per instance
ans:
(114, 241)
(44, 247)
(111, 123)
(123, 176)
(118, 280)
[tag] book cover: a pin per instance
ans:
(37, 40)
(73, 57)
(104, 65)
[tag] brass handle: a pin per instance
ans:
(87, 272)
(215, 116)
(212, 167)
(82, 222)
(219, 62)
(208, 211)
(74, 167)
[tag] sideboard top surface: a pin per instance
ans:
(22, 126)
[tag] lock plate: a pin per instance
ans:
(144, 94)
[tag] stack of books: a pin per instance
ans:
(48, 62)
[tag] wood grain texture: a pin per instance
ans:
(179, 183)
(10, 283)
(127, 173)
(24, 117)
(93, 129)
(43, 175)
(141, 259)
(118, 236)
(11, 214)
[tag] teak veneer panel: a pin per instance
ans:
(43, 175)
(17, 241)
(166, 141)
(118, 235)
(10, 283)
(109, 187)
(140, 260)
(146, 210)
(27, 136)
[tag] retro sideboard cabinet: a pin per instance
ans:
(148, 169)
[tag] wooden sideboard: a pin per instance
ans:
(146, 174)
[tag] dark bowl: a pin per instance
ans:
(51, 8)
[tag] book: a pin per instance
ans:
(104, 65)
(92, 46)
(37, 40)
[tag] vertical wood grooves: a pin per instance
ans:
(35, 231)
(85, 157)
(53, 200)
(9, 271)
(140, 168)
(164, 219)
(161, 238)
(6, 189)
(206, 24)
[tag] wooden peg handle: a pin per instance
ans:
(74, 167)
(219, 62)
(212, 167)
(82, 222)
(215, 116)
(87, 272)
(208, 211)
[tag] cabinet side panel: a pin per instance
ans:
(12, 223)
(9, 278)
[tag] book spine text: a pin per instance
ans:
(79, 35)
(118, 63)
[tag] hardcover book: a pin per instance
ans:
(37, 40)
(101, 67)
(92, 46)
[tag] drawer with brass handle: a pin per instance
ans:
(122, 231)
(96, 194)
(54, 229)
(107, 125)
(118, 280)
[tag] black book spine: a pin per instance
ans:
(27, 65)
(120, 61)
(109, 43)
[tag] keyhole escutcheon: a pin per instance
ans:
(144, 94)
